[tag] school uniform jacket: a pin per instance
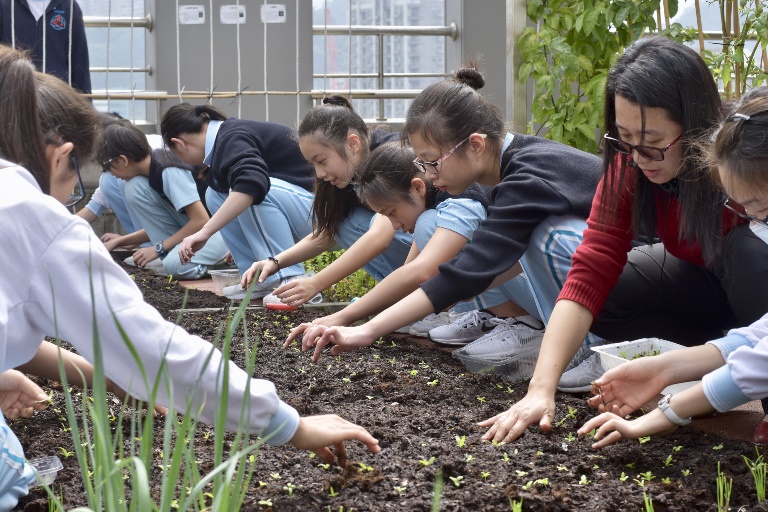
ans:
(53, 262)
(539, 178)
(60, 17)
(246, 154)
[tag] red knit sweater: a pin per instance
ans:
(603, 252)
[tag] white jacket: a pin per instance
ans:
(51, 262)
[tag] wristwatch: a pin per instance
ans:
(159, 249)
(666, 408)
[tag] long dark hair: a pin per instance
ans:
(329, 124)
(121, 137)
(656, 72)
(187, 118)
(21, 137)
(741, 143)
(386, 174)
(449, 111)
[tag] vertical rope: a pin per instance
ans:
(298, 82)
(133, 85)
(325, 47)
(210, 37)
(266, 95)
(109, 39)
(239, 65)
(13, 24)
(178, 54)
(45, 34)
(69, 51)
(349, 51)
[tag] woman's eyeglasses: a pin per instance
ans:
(79, 192)
(432, 166)
(647, 152)
(744, 215)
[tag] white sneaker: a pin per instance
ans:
(585, 352)
(468, 327)
(271, 298)
(236, 291)
(156, 264)
(429, 322)
(507, 339)
(580, 378)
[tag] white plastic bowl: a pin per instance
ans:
(224, 278)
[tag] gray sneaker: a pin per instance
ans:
(468, 327)
(271, 298)
(429, 322)
(580, 378)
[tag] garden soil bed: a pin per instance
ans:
(418, 401)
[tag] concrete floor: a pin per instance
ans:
(736, 424)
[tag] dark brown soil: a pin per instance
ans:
(417, 401)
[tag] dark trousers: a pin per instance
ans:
(661, 296)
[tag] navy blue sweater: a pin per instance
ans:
(56, 23)
(539, 178)
(247, 153)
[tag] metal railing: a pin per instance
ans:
(380, 31)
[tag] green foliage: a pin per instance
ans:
(724, 485)
(355, 285)
(569, 54)
(759, 469)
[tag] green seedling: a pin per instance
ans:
(414, 372)
(724, 486)
(262, 484)
(516, 506)
(481, 399)
(668, 460)
(427, 462)
(365, 468)
(759, 469)
(648, 502)
(677, 448)
(346, 380)
(623, 477)
(332, 493)
(648, 475)
(276, 476)
(469, 457)
(505, 457)
(460, 441)
(571, 414)
(521, 473)
(369, 397)
(64, 453)
(527, 486)
(584, 480)
(324, 466)
(666, 480)
(718, 447)
(432, 383)
(643, 440)
(265, 503)
(456, 480)
(592, 433)
(399, 490)
(289, 488)
(685, 472)
(562, 468)
(639, 481)
(541, 482)
(631, 465)
(485, 474)
(570, 437)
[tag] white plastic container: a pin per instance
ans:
(614, 354)
(224, 278)
(47, 468)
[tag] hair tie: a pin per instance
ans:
(198, 109)
(737, 118)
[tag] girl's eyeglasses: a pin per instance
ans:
(79, 192)
(432, 166)
(647, 152)
(743, 215)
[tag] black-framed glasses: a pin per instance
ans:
(432, 166)
(79, 192)
(647, 152)
(744, 215)
(107, 163)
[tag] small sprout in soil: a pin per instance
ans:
(631, 465)
(562, 468)
(644, 440)
(276, 476)
(376, 356)
(332, 493)
(456, 480)
(427, 462)
(312, 455)
(481, 399)
(500, 385)
(666, 480)
(393, 361)
(639, 481)
(528, 485)
(541, 482)
(64, 453)
(539, 454)
(570, 437)
(432, 383)
(265, 503)
(414, 372)
(460, 441)
(303, 370)
(324, 466)
(380, 341)
(571, 414)
(521, 473)
(365, 468)
(592, 433)
(623, 477)
(509, 390)
(584, 480)
(346, 380)
(369, 397)
(289, 488)
(724, 485)
(595, 466)
(516, 506)
(262, 484)
(648, 475)
(399, 490)
(677, 448)
(648, 503)
(485, 474)
(469, 457)
(423, 365)
(505, 457)
(685, 472)
(718, 447)
(668, 460)
(759, 470)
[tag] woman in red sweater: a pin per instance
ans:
(706, 273)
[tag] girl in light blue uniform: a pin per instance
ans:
(165, 197)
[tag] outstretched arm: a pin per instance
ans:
(235, 204)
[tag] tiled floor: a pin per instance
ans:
(736, 424)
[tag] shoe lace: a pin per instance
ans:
(470, 318)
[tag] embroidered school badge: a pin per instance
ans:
(58, 22)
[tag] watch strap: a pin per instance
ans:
(671, 415)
